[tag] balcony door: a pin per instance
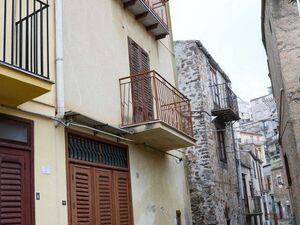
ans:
(141, 83)
(215, 88)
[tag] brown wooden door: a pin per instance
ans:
(142, 97)
(99, 196)
(15, 187)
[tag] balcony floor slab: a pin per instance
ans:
(160, 136)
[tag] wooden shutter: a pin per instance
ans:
(142, 97)
(15, 193)
(122, 198)
(81, 195)
(104, 197)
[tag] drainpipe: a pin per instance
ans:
(60, 95)
(298, 4)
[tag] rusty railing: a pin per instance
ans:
(148, 97)
(224, 98)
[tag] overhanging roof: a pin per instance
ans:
(87, 121)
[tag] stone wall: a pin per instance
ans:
(213, 184)
(281, 36)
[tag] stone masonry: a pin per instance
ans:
(213, 184)
(281, 38)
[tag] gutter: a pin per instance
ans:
(60, 95)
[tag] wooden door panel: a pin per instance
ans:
(81, 195)
(15, 188)
(104, 197)
(122, 198)
(142, 97)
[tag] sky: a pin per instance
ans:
(230, 31)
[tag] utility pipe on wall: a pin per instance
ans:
(60, 95)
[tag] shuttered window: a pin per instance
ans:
(142, 96)
(15, 207)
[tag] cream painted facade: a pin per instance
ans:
(95, 57)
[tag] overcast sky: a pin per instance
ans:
(230, 30)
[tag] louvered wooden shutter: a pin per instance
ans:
(104, 197)
(142, 98)
(122, 198)
(81, 195)
(15, 189)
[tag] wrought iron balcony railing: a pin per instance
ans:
(225, 104)
(24, 35)
(148, 97)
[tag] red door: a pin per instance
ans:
(15, 187)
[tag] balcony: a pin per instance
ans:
(24, 51)
(156, 112)
(152, 14)
(225, 104)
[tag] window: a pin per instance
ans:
(251, 189)
(254, 169)
(221, 141)
(11, 130)
(287, 170)
(246, 201)
(178, 217)
(269, 182)
(215, 89)
(279, 180)
(222, 147)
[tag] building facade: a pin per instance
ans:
(280, 32)
(88, 126)
(212, 167)
(252, 151)
(264, 124)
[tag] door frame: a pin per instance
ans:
(28, 147)
(95, 165)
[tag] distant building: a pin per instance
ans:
(265, 120)
(252, 178)
(264, 124)
(214, 186)
(281, 39)
(244, 111)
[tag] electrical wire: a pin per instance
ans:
(68, 124)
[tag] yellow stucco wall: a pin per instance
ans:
(96, 55)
